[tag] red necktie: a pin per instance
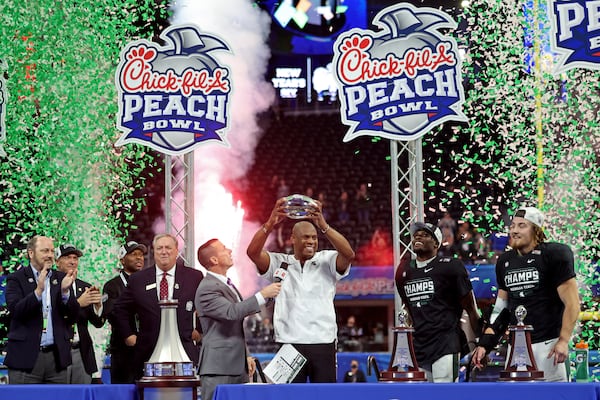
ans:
(164, 287)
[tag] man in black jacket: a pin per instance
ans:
(42, 307)
(90, 310)
(355, 374)
(131, 257)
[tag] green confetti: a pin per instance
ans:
(62, 176)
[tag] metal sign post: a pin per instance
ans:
(163, 106)
(407, 196)
(179, 200)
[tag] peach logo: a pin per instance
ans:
(173, 98)
(574, 35)
(402, 80)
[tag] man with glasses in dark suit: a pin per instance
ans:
(42, 307)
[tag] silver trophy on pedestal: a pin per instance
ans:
(169, 373)
(521, 364)
(403, 366)
(169, 357)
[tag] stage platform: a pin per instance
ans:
(344, 359)
(68, 392)
(323, 391)
(424, 391)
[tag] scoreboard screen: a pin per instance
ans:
(301, 41)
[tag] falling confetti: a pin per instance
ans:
(484, 169)
(62, 176)
(496, 168)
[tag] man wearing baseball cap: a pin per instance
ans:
(90, 311)
(131, 258)
(540, 276)
(435, 290)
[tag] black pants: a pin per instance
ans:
(321, 363)
(121, 370)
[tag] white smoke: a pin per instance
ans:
(245, 29)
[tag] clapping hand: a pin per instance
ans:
(91, 295)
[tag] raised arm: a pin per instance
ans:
(340, 243)
(255, 250)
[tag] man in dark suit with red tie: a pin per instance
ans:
(132, 258)
(42, 307)
(165, 280)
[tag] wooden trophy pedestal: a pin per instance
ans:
(191, 383)
(521, 366)
(403, 365)
(402, 376)
(521, 376)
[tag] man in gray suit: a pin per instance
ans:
(224, 357)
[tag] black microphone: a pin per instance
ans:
(278, 276)
(280, 273)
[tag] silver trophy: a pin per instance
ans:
(403, 366)
(298, 206)
(520, 314)
(521, 364)
(402, 318)
(169, 358)
(169, 373)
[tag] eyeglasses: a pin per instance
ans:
(354, 366)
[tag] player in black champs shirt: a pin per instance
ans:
(541, 277)
(435, 291)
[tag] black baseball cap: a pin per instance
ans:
(66, 249)
(131, 246)
(433, 230)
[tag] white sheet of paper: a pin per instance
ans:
(286, 364)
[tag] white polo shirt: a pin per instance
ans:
(304, 312)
